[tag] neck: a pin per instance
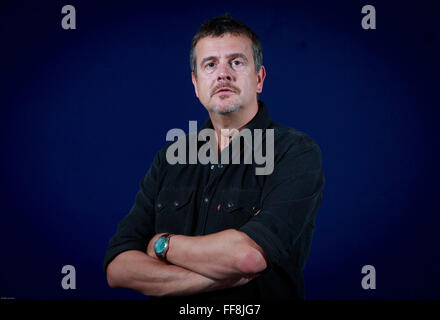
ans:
(228, 125)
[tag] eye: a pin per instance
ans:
(237, 63)
(209, 65)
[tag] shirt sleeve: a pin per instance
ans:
(290, 199)
(136, 229)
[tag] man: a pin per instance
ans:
(220, 230)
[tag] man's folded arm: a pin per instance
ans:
(135, 270)
(127, 264)
(222, 255)
(290, 199)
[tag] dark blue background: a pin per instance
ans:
(84, 111)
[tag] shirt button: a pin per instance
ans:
(230, 204)
(212, 166)
(206, 200)
(176, 203)
(159, 205)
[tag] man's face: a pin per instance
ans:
(226, 79)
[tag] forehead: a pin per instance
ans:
(224, 45)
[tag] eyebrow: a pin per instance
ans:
(229, 56)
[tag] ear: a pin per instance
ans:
(260, 79)
(194, 81)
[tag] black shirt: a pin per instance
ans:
(277, 211)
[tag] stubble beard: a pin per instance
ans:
(226, 111)
(219, 109)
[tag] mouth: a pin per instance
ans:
(225, 90)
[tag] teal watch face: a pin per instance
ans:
(160, 245)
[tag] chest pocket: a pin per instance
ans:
(173, 210)
(237, 207)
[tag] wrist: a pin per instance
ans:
(150, 246)
(161, 246)
(173, 249)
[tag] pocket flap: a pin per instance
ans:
(233, 200)
(172, 198)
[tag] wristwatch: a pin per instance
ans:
(161, 246)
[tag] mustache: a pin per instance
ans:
(222, 85)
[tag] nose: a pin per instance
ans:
(224, 73)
